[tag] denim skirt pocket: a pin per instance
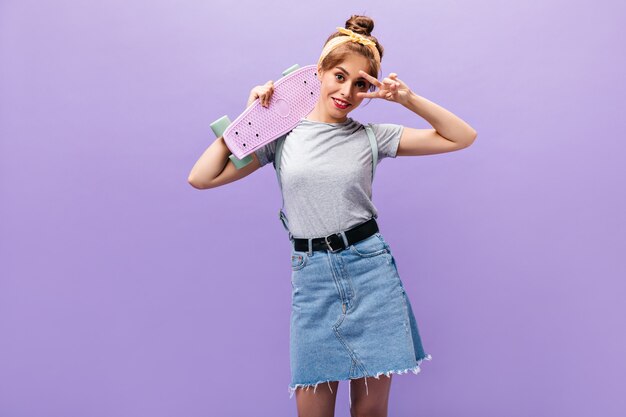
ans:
(298, 260)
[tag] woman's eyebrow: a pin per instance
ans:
(348, 74)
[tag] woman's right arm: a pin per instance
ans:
(214, 168)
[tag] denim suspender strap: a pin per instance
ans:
(277, 154)
(374, 145)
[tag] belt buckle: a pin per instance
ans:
(328, 243)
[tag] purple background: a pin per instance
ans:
(126, 292)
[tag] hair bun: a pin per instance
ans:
(362, 25)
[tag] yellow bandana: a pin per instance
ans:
(352, 37)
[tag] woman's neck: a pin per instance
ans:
(318, 114)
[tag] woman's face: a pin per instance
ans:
(343, 83)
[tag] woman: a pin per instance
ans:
(351, 318)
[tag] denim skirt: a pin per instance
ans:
(350, 316)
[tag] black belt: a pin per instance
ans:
(334, 242)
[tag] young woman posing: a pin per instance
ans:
(351, 318)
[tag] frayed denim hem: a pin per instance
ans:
(416, 369)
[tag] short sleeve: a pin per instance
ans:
(388, 138)
(265, 153)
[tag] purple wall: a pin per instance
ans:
(126, 292)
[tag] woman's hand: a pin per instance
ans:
(392, 88)
(263, 93)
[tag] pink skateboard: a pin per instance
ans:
(294, 97)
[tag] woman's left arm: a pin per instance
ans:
(450, 132)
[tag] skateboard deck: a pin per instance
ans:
(295, 95)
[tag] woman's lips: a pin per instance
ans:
(340, 104)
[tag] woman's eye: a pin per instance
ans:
(363, 84)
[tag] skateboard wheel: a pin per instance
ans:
(290, 69)
(219, 126)
(240, 163)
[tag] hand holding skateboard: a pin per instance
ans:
(263, 93)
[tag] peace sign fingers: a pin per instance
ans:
(373, 81)
(384, 88)
(370, 78)
(391, 88)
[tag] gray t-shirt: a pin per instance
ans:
(327, 174)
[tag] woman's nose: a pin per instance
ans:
(346, 91)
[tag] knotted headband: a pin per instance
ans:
(352, 37)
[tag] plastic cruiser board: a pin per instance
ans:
(294, 97)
